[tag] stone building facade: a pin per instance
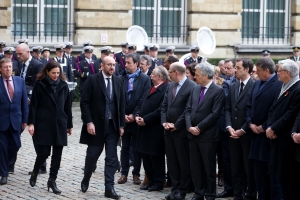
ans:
(95, 19)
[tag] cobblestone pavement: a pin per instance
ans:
(69, 175)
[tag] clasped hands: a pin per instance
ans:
(140, 121)
(169, 126)
(235, 134)
(194, 130)
(296, 138)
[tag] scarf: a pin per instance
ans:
(284, 87)
(131, 78)
(53, 84)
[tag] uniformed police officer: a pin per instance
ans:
(70, 57)
(131, 48)
(64, 62)
(82, 56)
(266, 53)
(2, 46)
(153, 51)
(46, 54)
(146, 49)
(36, 54)
(8, 53)
(170, 50)
(194, 56)
(86, 67)
(120, 56)
(296, 53)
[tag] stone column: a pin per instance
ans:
(5, 21)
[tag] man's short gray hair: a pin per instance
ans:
(206, 69)
(290, 66)
(162, 72)
(147, 58)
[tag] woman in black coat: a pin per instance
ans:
(150, 139)
(50, 119)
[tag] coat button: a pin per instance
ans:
(235, 117)
(235, 109)
(102, 118)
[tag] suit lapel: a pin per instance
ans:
(268, 85)
(208, 93)
(248, 85)
(3, 88)
(181, 90)
(101, 83)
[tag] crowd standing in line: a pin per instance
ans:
(184, 114)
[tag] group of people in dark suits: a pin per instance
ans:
(159, 111)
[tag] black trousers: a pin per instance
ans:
(155, 169)
(242, 167)
(178, 162)
(43, 152)
(111, 159)
(227, 162)
(9, 145)
(203, 167)
(127, 139)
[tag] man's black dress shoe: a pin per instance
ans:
(198, 198)
(84, 186)
(3, 180)
(155, 188)
(170, 196)
(179, 196)
(225, 194)
(145, 187)
(110, 193)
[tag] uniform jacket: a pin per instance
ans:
(85, 70)
(93, 104)
(50, 114)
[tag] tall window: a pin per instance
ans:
(266, 21)
(163, 20)
(42, 20)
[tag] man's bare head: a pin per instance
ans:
(23, 52)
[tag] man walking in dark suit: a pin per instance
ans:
(103, 111)
(263, 94)
(14, 113)
(237, 126)
(281, 119)
(176, 140)
(28, 69)
(136, 85)
(202, 112)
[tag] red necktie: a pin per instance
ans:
(10, 90)
(152, 89)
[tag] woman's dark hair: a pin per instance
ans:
(50, 65)
(191, 68)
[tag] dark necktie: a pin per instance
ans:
(241, 88)
(174, 91)
(201, 95)
(23, 71)
(10, 90)
(108, 88)
(59, 60)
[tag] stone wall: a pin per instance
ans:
(5, 21)
(222, 17)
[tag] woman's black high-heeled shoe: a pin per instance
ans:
(51, 184)
(33, 177)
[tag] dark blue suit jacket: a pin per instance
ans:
(15, 112)
(258, 107)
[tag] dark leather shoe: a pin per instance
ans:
(111, 194)
(42, 171)
(84, 186)
(136, 180)
(155, 188)
(225, 194)
(179, 196)
(170, 196)
(122, 179)
(144, 187)
(198, 198)
(3, 180)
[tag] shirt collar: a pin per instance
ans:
(208, 85)
(28, 61)
(246, 81)
(182, 81)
